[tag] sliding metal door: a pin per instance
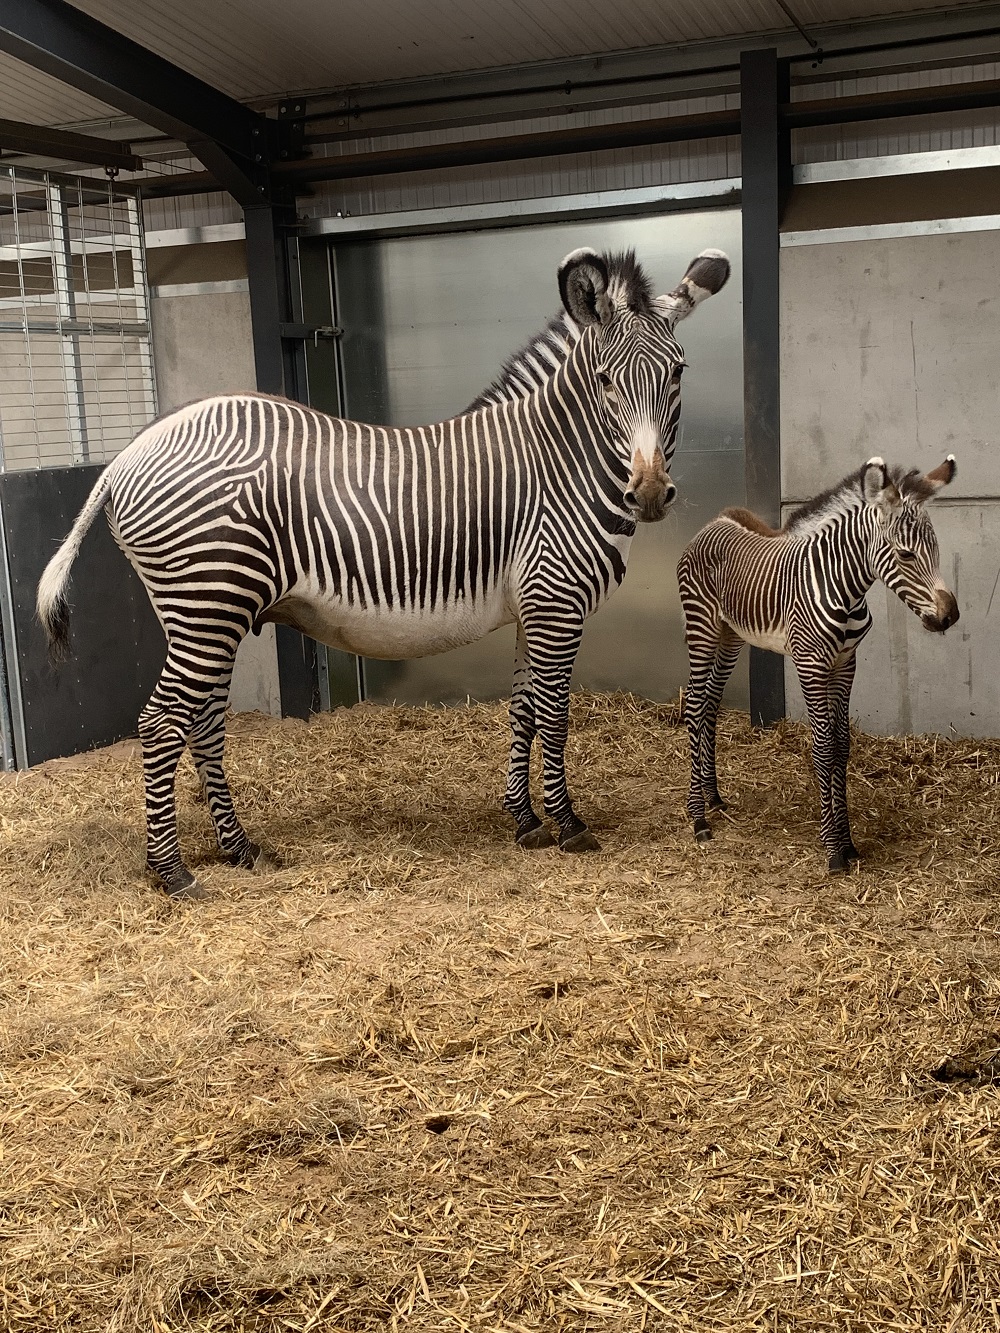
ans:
(427, 323)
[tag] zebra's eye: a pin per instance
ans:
(679, 369)
(605, 382)
(905, 553)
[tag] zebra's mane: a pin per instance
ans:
(849, 494)
(542, 355)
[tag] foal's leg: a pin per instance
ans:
(188, 681)
(207, 741)
(840, 708)
(531, 832)
(702, 646)
(727, 653)
(553, 642)
(816, 689)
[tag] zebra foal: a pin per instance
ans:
(801, 591)
(400, 543)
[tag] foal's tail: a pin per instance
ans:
(50, 601)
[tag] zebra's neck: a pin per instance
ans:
(528, 370)
(842, 548)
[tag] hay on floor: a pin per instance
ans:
(417, 1079)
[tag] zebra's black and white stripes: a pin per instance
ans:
(400, 542)
(801, 592)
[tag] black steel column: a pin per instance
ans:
(271, 306)
(767, 173)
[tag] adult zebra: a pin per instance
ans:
(400, 542)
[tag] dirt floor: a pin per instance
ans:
(418, 1079)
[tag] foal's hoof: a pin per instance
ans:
(851, 852)
(256, 858)
(584, 841)
(839, 863)
(701, 830)
(717, 803)
(532, 837)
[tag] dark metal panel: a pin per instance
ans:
(767, 173)
(118, 647)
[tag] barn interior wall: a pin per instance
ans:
(890, 347)
(202, 345)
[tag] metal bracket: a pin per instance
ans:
(292, 129)
(303, 332)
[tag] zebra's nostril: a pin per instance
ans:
(670, 494)
(630, 499)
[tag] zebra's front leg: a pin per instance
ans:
(207, 741)
(841, 682)
(701, 660)
(815, 679)
(552, 647)
(531, 832)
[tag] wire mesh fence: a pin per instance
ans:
(76, 373)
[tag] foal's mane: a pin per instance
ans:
(542, 355)
(912, 485)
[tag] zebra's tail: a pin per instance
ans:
(50, 601)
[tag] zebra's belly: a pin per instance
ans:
(775, 641)
(392, 632)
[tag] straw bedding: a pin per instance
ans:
(417, 1079)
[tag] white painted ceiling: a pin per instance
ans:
(252, 49)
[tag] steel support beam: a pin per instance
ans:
(767, 175)
(275, 304)
(233, 142)
(40, 141)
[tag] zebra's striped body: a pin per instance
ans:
(801, 592)
(397, 542)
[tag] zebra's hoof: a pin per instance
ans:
(584, 841)
(717, 803)
(839, 863)
(190, 892)
(701, 830)
(256, 858)
(534, 837)
(851, 852)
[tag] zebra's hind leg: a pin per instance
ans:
(207, 741)
(187, 683)
(531, 832)
(840, 708)
(552, 647)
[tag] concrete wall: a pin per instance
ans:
(892, 347)
(202, 345)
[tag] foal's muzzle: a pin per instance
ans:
(945, 616)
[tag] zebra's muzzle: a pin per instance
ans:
(947, 614)
(650, 491)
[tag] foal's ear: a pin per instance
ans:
(941, 476)
(877, 487)
(707, 274)
(583, 286)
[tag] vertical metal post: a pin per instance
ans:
(767, 173)
(69, 340)
(140, 294)
(270, 307)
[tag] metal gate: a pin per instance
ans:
(76, 385)
(427, 322)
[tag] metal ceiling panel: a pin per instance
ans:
(254, 48)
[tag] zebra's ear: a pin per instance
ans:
(877, 486)
(941, 476)
(707, 274)
(583, 286)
